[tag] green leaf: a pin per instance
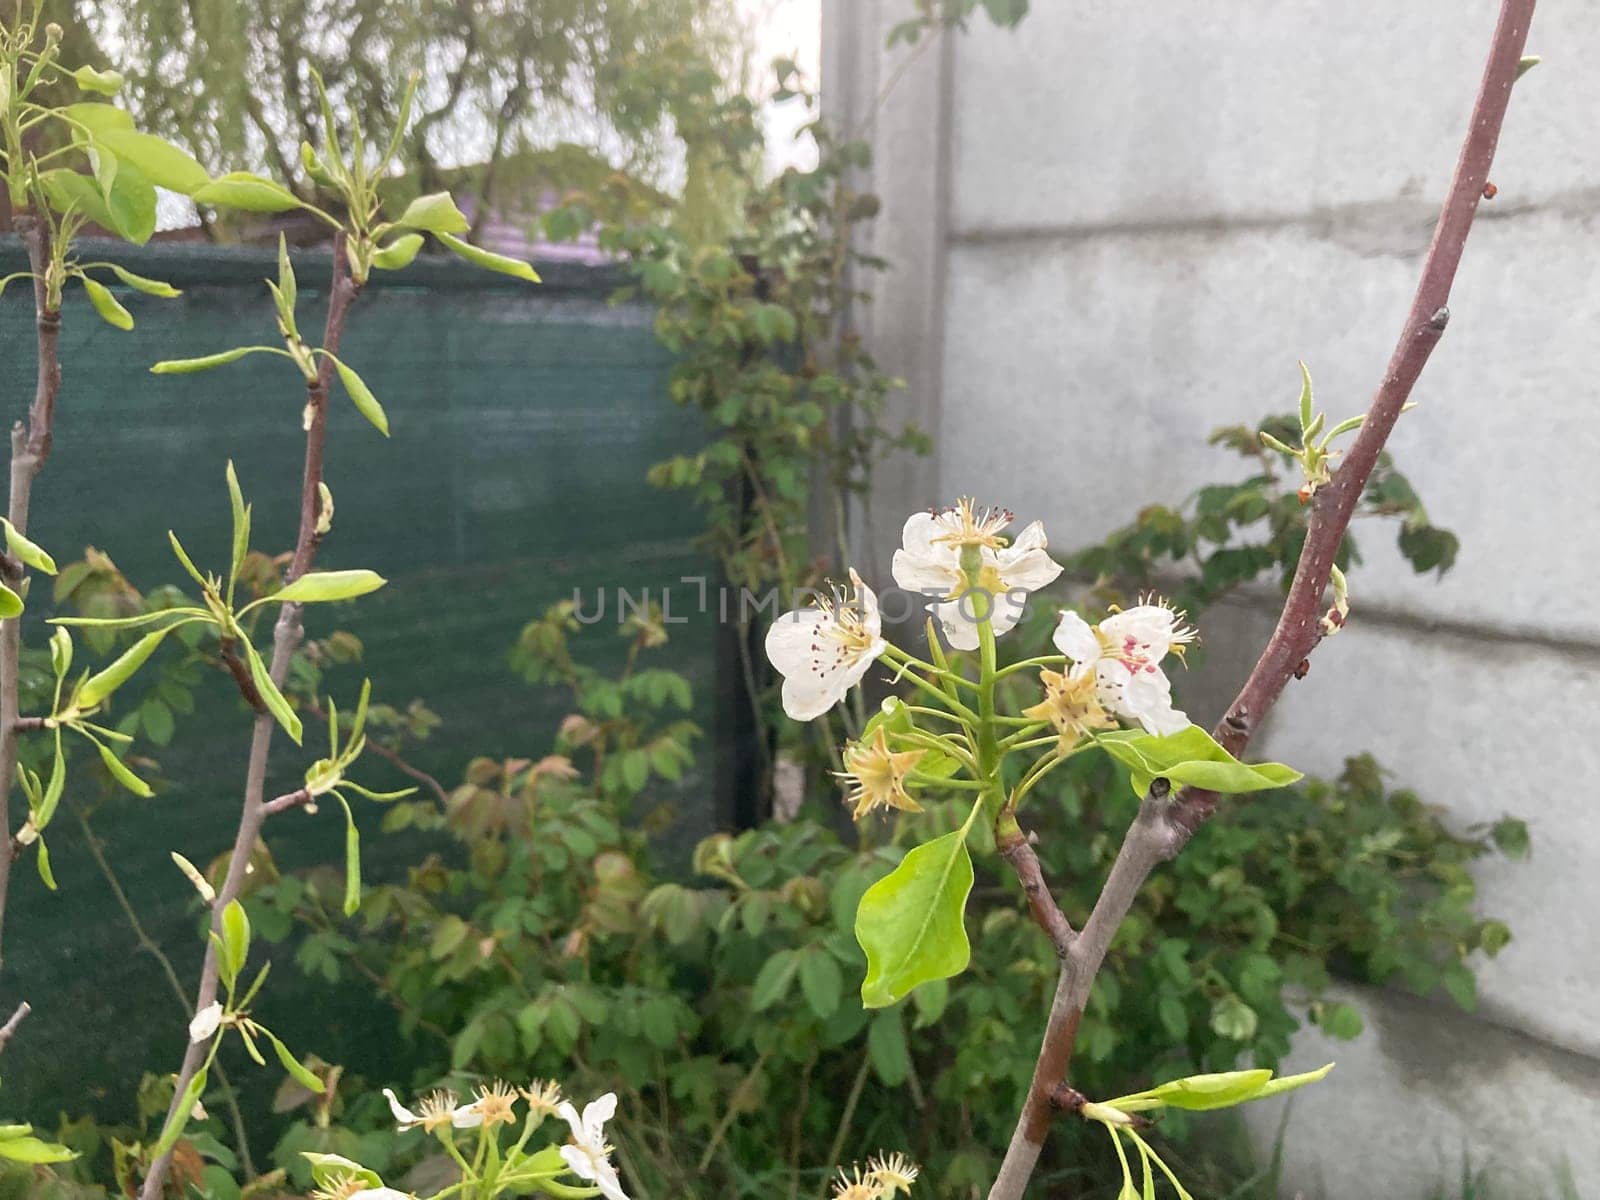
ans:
(241, 522)
(488, 260)
(52, 791)
(104, 83)
(42, 861)
(329, 1170)
(821, 981)
(119, 771)
(1288, 1083)
(60, 652)
(317, 587)
(96, 118)
(270, 695)
(180, 1115)
(399, 253)
(150, 287)
(244, 192)
(33, 1150)
(111, 312)
(27, 551)
(436, 212)
(361, 396)
(288, 287)
(97, 687)
(773, 980)
(164, 164)
(1232, 1018)
(1339, 1020)
(235, 940)
(301, 1074)
(1191, 757)
(886, 1047)
(10, 603)
(352, 859)
(188, 366)
(1200, 1093)
(910, 923)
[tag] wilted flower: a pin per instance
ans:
(856, 1185)
(587, 1154)
(1125, 651)
(495, 1104)
(894, 1172)
(823, 651)
(876, 776)
(929, 562)
(543, 1097)
(1071, 703)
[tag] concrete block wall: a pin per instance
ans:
(1117, 228)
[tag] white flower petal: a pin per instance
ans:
(466, 1117)
(925, 576)
(791, 637)
(1147, 698)
(569, 1114)
(381, 1193)
(205, 1022)
(1075, 638)
(1025, 563)
(403, 1116)
(917, 535)
(1009, 608)
(955, 619)
(871, 618)
(610, 1186)
(578, 1162)
(595, 1115)
(1148, 625)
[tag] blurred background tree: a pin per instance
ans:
(518, 101)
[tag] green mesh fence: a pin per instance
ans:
(524, 419)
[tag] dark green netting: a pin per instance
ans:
(524, 419)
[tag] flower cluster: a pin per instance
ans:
(585, 1154)
(977, 581)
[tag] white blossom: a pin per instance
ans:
(587, 1154)
(205, 1022)
(1125, 652)
(824, 650)
(929, 563)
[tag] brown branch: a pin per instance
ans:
(295, 799)
(1163, 828)
(30, 446)
(1017, 851)
(286, 636)
(241, 676)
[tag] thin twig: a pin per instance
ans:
(10, 1027)
(1163, 828)
(286, 637)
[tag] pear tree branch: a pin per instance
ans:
(1166, 823)
(30, 447)
(255, 808)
